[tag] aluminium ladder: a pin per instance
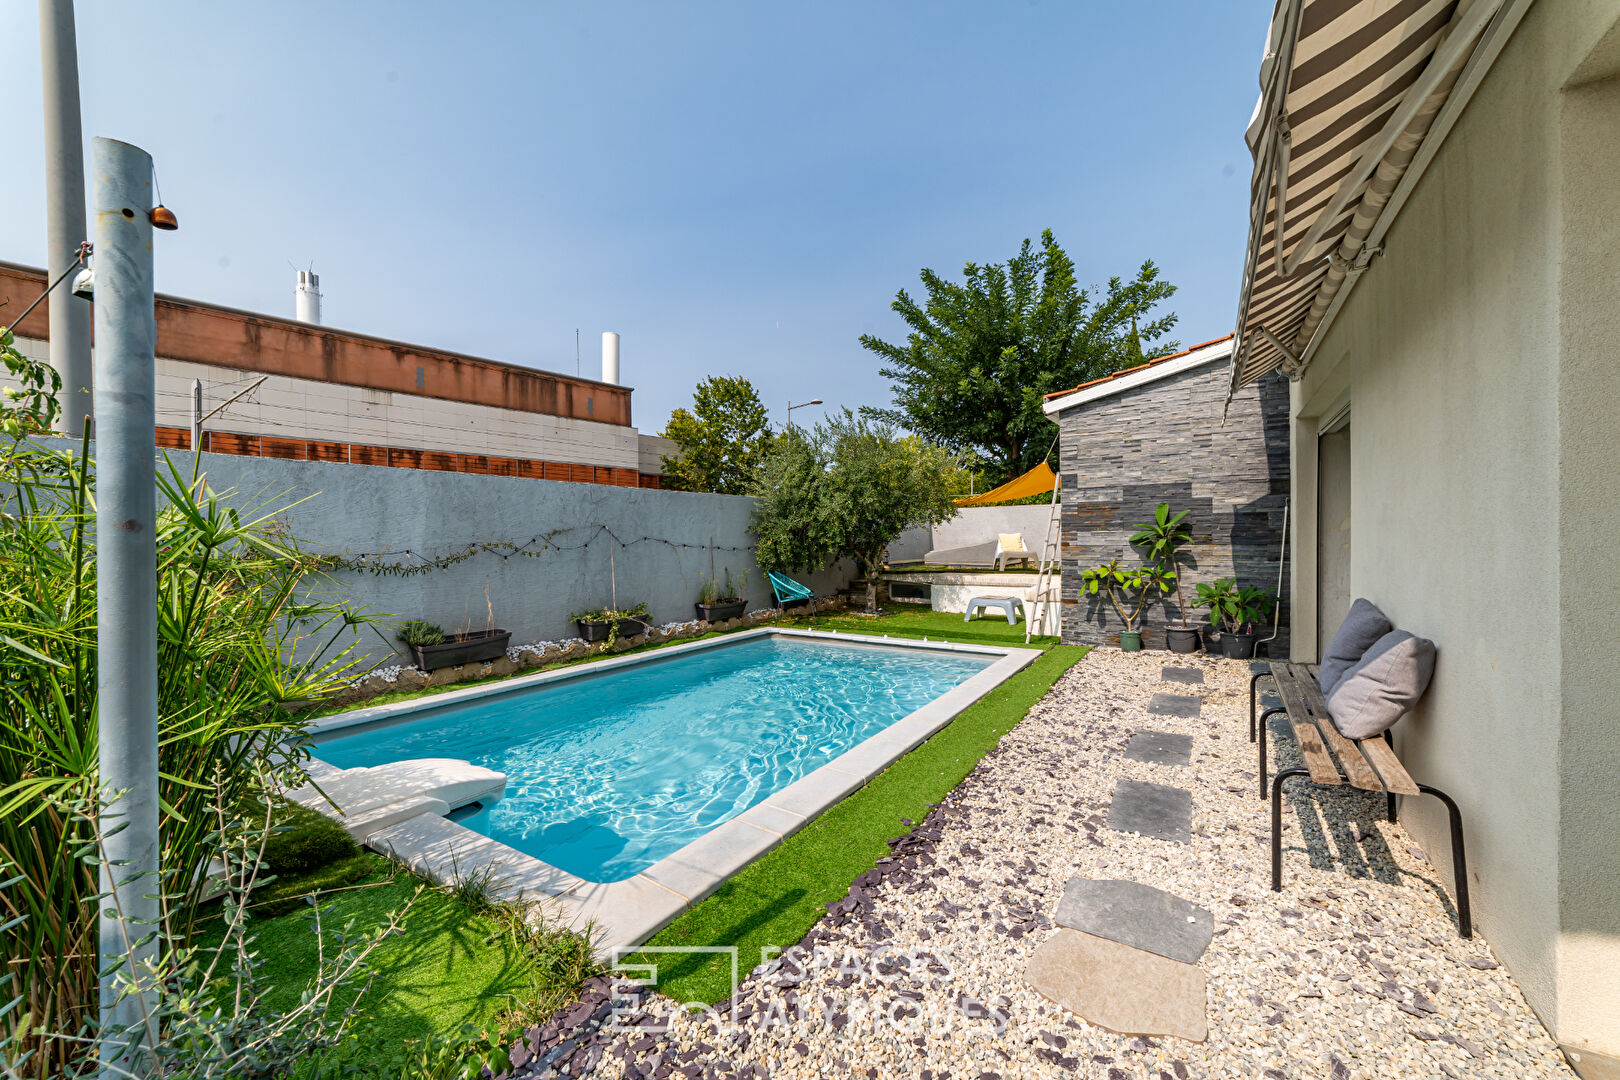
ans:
(1051, 563)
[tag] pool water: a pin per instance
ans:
(609, 773)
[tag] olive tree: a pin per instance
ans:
(847, 489)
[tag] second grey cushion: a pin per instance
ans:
(1363, 625)
(1380, 689)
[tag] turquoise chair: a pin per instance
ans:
(789, 591)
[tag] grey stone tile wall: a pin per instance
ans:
(1166, 442)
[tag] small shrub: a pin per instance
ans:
(304, 840)
(419, 633)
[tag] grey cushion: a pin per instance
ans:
(1381, 688)
(1364, 625)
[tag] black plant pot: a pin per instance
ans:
(478, 647)
(1181, 639)
(598, 631)
(1239, 646)
(721, 610)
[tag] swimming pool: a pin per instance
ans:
(609, 773)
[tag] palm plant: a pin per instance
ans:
(245, 640)
(1162, 541)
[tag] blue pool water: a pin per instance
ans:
(609, 773)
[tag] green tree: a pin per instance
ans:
(847, 489)
(981, 353)
(722, 440)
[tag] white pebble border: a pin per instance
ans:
(1355, 971)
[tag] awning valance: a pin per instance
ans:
(1355, 96)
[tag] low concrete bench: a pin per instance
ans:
(1005, 604)
(1368, 764)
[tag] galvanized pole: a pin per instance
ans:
(126, 585)
(64, 207)
(196, 417)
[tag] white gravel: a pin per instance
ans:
(1356, 970)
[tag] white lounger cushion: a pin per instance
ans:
(1009, 543)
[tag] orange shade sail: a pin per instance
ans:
(1038, 481)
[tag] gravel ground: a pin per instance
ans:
(1355, 970)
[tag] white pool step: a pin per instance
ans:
(375, 798)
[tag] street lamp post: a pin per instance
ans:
(800, 405)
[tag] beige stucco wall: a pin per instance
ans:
(1481, 359)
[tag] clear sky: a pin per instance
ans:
(737, 188)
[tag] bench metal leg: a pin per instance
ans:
(1276, 823)
(1459, 862)
(1254, 694)
(1265, 718)
(1389, 796)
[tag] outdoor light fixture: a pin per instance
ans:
(85, 284)
(163, 218)
(800, 405)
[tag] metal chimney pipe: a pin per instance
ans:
(309, 297)
(610, 357)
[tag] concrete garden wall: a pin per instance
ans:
(359, 509)
(974, 525)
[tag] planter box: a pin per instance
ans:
(478, 647)
(598, 631)
(721, 610)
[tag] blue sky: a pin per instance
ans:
(736, 188)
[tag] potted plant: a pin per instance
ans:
(1237, 613)
(1118, 581)
(717, 602)
(1163, 539)
(432, 648)
(607, 624)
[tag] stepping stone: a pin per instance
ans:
(1137, 915)
(1126, 990)
(1159, 747)
(1183, 675)
(1156, 810)
(1174, 705)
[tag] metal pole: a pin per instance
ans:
(196, 417)
(64, 207)
(126, 584)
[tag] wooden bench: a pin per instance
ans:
(1331, 759)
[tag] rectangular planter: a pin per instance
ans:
(720, 610)
(478, 647)
(598, 631)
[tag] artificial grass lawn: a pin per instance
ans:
(448, 968)
(773, 902)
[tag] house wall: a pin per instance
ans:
(1479, 358)
(1167, 441)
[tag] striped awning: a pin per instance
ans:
(1350, 93)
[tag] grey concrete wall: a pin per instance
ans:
(1167, 442)
(1480, 355)
(974, 525)
(355, 509)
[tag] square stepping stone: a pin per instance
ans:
(1183, 675)
(1157, 810)
(1126, 990)
(1159, 747)
(1174, 705)
(1137, 915)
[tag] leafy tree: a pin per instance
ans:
(723, 439)
(982, 352)
(847, 489)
